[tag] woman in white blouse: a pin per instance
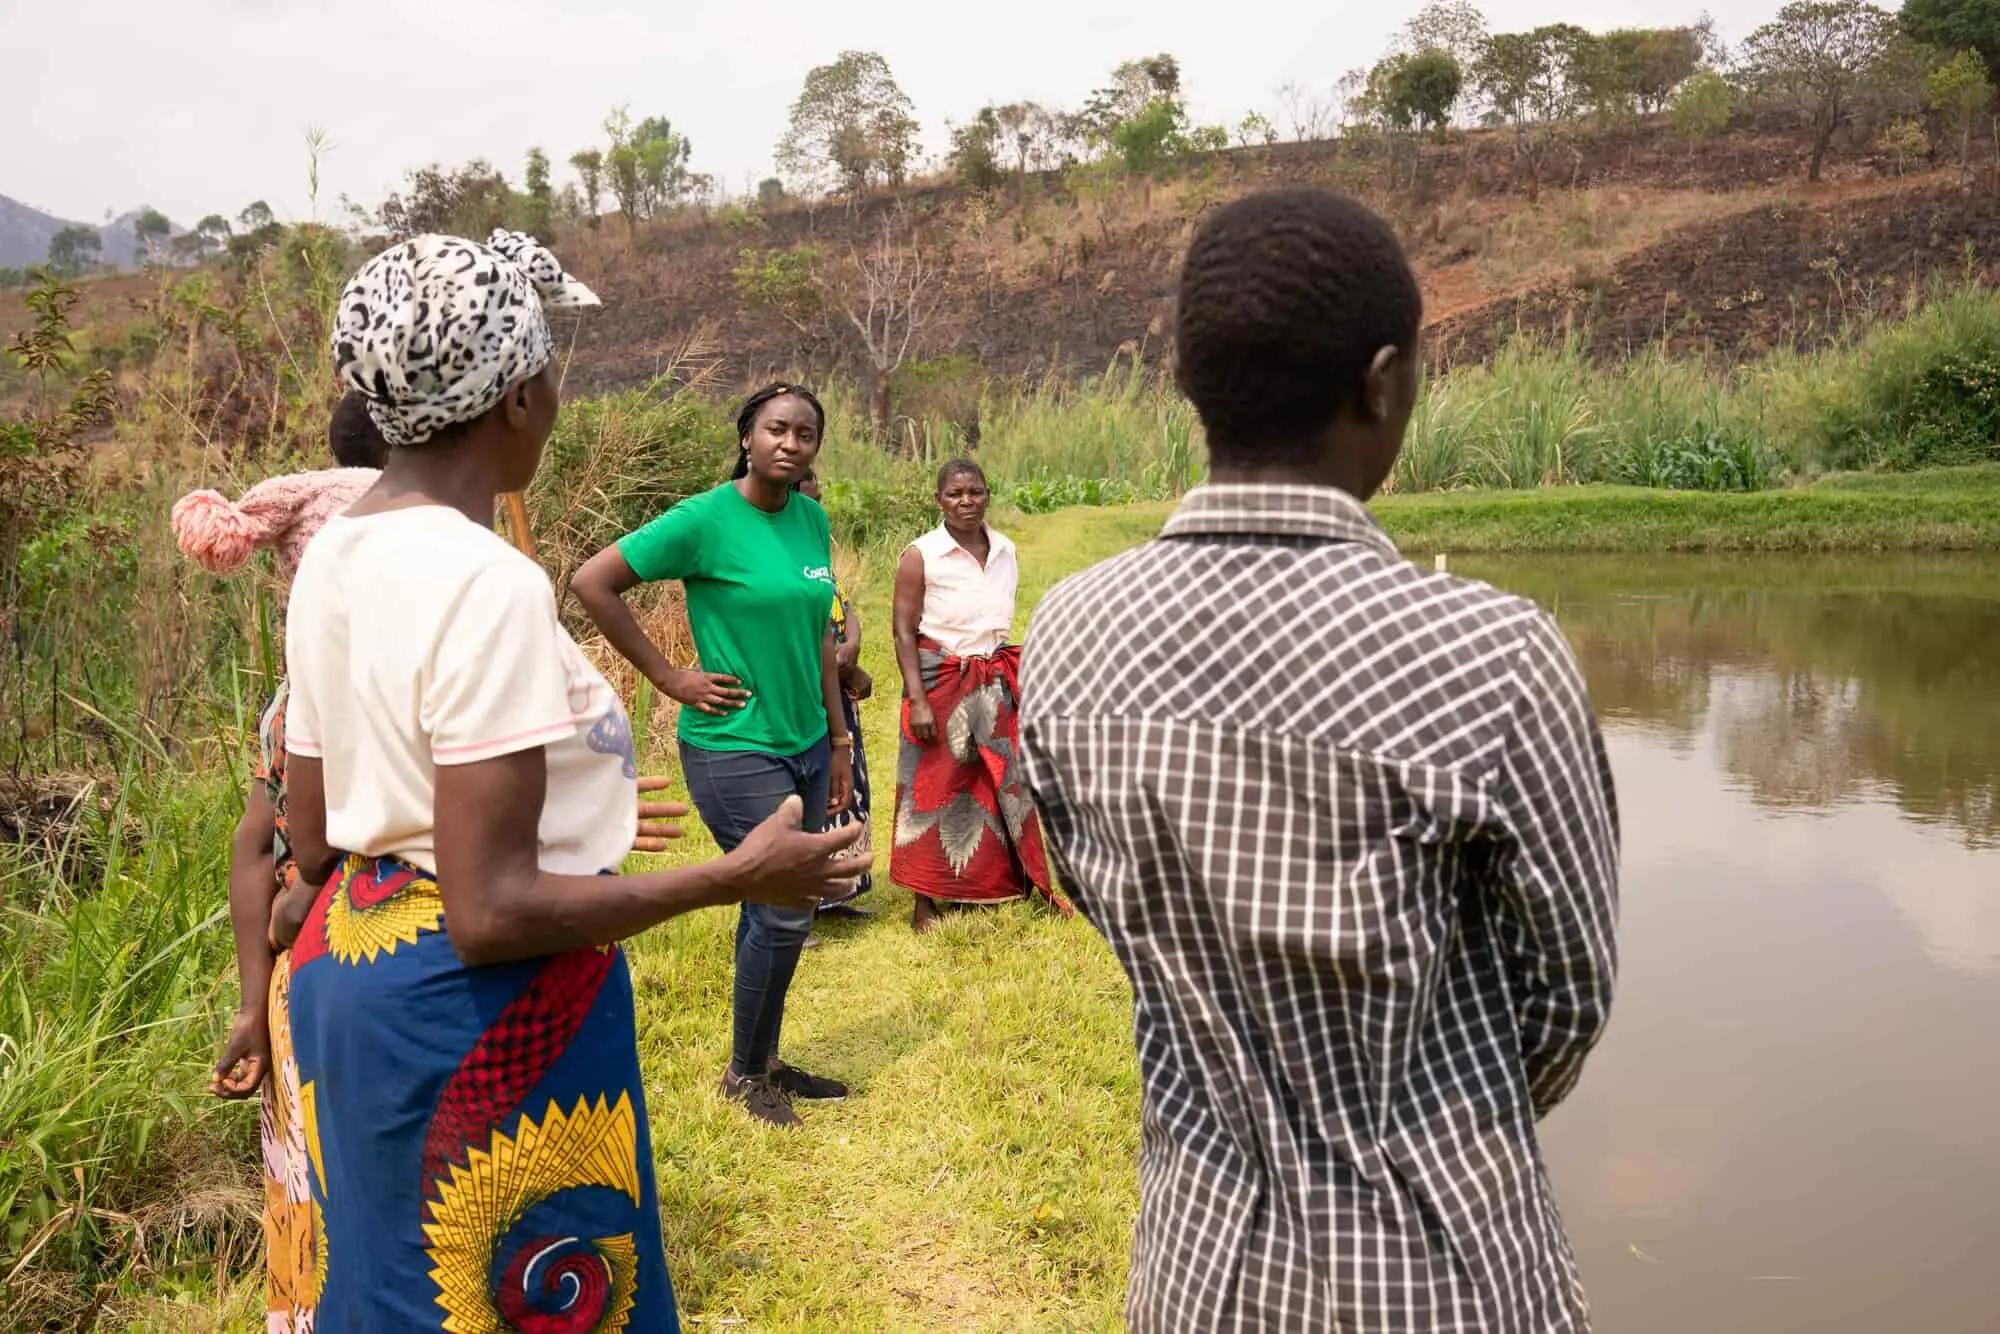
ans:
(965, 830)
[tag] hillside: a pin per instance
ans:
(25, 234)
(1634, 238)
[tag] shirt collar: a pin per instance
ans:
(1278, 509)
(997, 542)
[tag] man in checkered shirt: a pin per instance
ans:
(1348, 825)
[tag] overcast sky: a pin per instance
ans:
(202, 106)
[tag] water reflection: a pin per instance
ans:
(1818, 683)
(1791, 1124)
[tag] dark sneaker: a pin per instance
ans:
(762, 1099)
(796, 1083)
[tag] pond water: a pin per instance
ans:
(1793, 1122)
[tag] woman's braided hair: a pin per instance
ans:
(746, 417)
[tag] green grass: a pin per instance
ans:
(982, 1178)
(1954, 510)
(115, 1166)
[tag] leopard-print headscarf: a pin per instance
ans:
(433, 331)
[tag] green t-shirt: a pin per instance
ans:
(757, 590)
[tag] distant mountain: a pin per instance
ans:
(25, 234)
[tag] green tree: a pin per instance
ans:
(589, 164)
(1815, 58)
(623, 174)
(1702, 106)
(260, 230)
(663, 157)
(787, 284)
(539, 203)
(42, 457)
(975, 150)
(853, 119)
(1903, 142)
(74, 249)
(770, 192)
(1957, 92)
(214, 230)
(1531, 78)
(150, 231)
(1454, 27)
(1256, 128)
(1150, 141)
(1662, 60)
(1134, 86)
(1958, 25)
(470, 200)
(1629, 70)
(1423, 88)
(1032, 134)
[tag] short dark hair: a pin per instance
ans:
(356, 440)
(961, 468)
(1285, 297)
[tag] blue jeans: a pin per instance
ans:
(735, 791)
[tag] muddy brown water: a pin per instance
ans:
(1793, 1121)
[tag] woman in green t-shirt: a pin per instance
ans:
(761, 714)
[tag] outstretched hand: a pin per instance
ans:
(781, 865)
(657, 819)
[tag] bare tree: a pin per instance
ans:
(892, 295)
(1307, 115)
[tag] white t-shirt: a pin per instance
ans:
(416, 638)
(968, 607)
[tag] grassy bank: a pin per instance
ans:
(982, 1179)
(1949, 510)
(1955, 509)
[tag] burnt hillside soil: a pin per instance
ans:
(1630, 237)
(1634, 237)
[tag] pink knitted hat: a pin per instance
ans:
(282, 514)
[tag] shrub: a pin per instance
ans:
(1917, 394)
(1045, 493)
(868, 515)
(940, 399)
(1954, 414)
(1708, 458)
(617, 462)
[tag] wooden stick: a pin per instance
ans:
(517, 523)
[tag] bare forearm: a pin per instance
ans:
(251, 883)
(312, 856)
(849, 651)
(909, 665)
(829, 688)
(615, 621)
(542, 913)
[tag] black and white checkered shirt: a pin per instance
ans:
(1349, 826)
